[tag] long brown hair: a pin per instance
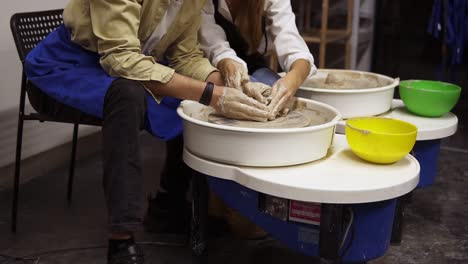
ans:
(249, 21)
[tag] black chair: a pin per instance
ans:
(28, 30)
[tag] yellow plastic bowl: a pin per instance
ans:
(380, 140)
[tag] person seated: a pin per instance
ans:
(237, 35)
(129, 63)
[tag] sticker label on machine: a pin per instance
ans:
(307, 213)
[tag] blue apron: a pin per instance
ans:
(73, 76)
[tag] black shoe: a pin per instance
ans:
(127, 254)
(167, 215)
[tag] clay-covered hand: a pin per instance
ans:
(234, 104)
(257, 90)
(281, 98)
(234, 73)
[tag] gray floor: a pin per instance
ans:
(436, 222)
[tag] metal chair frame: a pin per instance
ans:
(28, 30)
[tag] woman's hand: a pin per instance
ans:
(234, 73)
(258, 91)
(281, 96)
(233, 103)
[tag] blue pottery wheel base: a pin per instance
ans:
(427, 153)
(368, 239)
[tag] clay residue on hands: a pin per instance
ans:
(300, 116)
(257, 90)
(347, 80)
(234, 73)
(236, 105)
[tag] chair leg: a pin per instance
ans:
(72, 163)
(19, 144)
(16, 181)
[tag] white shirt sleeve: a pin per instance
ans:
(213, 41)
(288, 43)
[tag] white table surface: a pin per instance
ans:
(340, 178)
(429, 128)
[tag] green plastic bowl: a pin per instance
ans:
(429, 98)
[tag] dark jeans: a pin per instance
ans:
(124, 118)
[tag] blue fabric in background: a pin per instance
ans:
(265, 75)
(456, 26)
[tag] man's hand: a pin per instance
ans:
(234, 104)
(234, 73)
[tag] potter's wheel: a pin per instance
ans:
(353, 93)
(259, 147)
(346, 80)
